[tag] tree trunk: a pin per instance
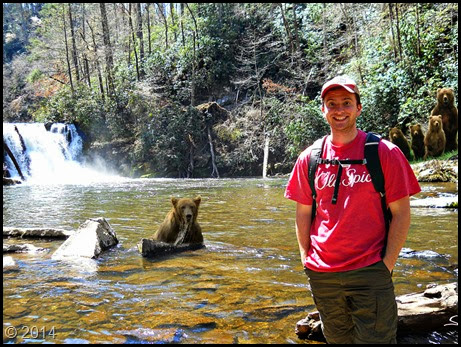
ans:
(391, 20)
(215, 172)
(107, 50)
(296, 30)
(195, 23)
(138, 74)
(418, 42)
(287, 29)
(98, 65)
(182, 26)
(140, 38)
(172, 14)
(13, 159)
(74, 46)
(86, 63)
(69, 70)
(266, 155)
(160, 9)
(148, 28)
(398, 29)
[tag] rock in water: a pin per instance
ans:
(92, 237)
(418, 312)
(36, 233)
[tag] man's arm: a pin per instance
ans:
(398, 230)
(303, 225)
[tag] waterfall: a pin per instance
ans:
(52, 155)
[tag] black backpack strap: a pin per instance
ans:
(377, 177)
(314, 160)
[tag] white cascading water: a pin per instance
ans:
(49, 157)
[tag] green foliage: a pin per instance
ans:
(398, 92)
(269, 61)
(307, 125)
(34, 75)
(167, 137)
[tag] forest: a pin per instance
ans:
(206, 89)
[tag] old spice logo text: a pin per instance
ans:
(350, 178)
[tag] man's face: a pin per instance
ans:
(341, 110)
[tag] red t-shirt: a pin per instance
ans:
(350, 234)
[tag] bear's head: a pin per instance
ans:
(415, 130)
(186, 209)
(435, 123)
(395, 133)
(445, 96)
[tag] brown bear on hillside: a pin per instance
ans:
(180, 224)
(417, 141)
(446, 107)
(435, 138)
(396, 136)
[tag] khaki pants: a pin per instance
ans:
(356, 306)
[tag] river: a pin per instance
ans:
(246, 286)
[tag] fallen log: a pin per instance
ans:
(418, 312)
(152, 249)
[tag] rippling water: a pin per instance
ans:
(246, 286)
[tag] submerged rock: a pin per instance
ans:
(436, 202)
(93, 236)
(9, 263)
(36, 233)
(22, 248)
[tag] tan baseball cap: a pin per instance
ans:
(340, 81)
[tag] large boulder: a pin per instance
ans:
(92, 237)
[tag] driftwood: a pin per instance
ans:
(152, 249)
(420, 312)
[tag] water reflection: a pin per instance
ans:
(246, 286)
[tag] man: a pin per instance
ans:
(341, 248)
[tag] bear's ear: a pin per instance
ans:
(197, 200)
(174, 201)
(438, 90)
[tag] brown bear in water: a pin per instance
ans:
(417, 141)
(180, 224)
(396, 136)
(446, 107)
(435, 138)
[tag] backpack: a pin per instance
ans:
(372, 162)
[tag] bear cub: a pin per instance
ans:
(396, 136)
(180, 224)
(435, 138)
(417, 141)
